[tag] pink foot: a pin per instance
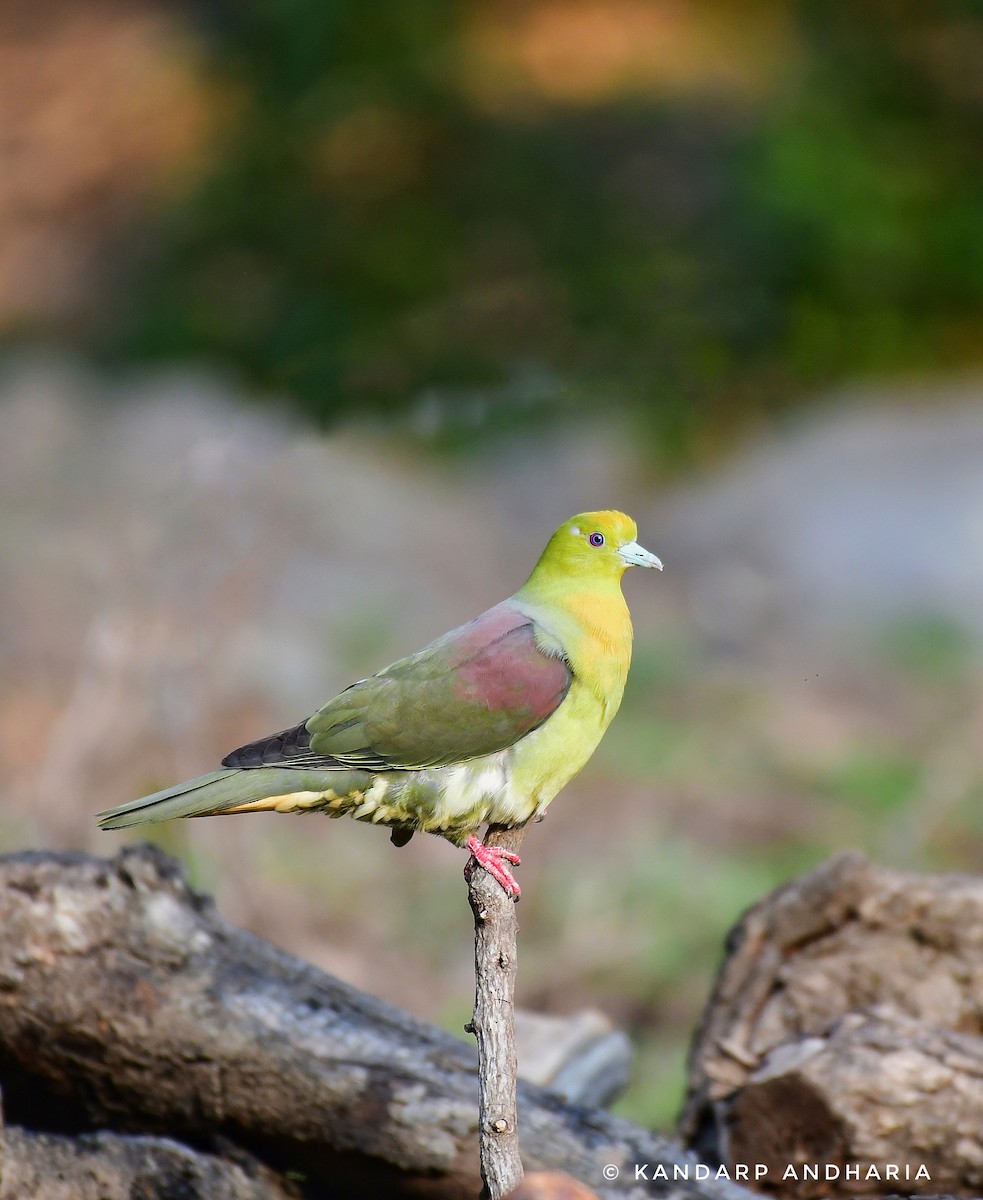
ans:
(490, 858)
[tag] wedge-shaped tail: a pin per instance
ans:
(238, 789)
(207, 794)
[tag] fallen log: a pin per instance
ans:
(111, 1166)
(127, 1003)
(843, 1036)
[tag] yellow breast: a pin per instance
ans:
(597, 639)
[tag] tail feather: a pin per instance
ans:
(245, 789)
(201, 797)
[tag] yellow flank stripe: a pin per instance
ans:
(288, 802)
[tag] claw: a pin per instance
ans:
(489, 858)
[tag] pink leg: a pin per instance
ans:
(490, 858)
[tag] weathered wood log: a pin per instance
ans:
(845, 1029)
(110, 1166)
(581, 1056)
(128, 1003)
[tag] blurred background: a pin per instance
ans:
(317, 319)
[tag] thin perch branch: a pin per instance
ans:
(493, 1023)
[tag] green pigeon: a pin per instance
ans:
(483, 726)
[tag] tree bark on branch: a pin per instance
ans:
(127, 1003)
(493, 1023)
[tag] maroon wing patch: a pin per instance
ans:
(500, 667)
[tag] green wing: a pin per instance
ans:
(477, 690)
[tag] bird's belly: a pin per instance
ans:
(453, 801)
(460, 798)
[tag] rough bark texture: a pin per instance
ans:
(127, 1003)
(493, 1023)
(109, 1166)
(845, 1028)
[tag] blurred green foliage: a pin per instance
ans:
(932, 648)
(369, 238)
(383, 228)
(879, 783)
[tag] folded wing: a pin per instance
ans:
(475, 691)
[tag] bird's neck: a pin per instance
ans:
(590, 620)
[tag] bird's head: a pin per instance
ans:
(595, 545)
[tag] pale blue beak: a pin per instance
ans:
(637, 556)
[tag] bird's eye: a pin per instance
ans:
(596, 539)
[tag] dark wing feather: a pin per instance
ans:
(280, 748)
